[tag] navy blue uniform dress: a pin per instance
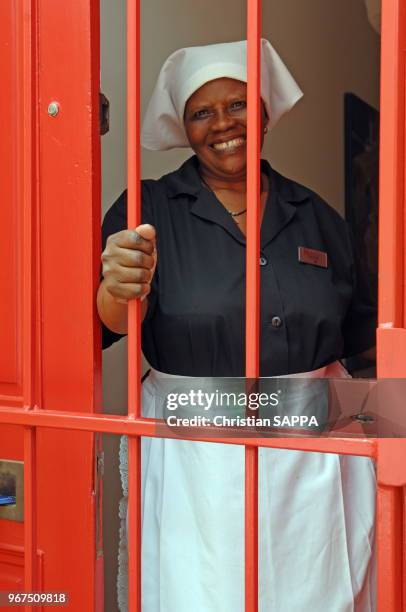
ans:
(310, 315)
(316, 511)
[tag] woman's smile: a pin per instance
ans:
(229, 146)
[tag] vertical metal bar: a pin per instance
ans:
(391, 179)
(389, 548)
(403, 540)
(391, 292)
(30, 512)
(252, 314)
(134, 309)
(252, 321)
(251, 529)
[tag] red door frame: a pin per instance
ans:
(391, 333)
(50, 214)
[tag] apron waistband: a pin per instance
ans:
(161, 381)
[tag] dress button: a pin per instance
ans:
(263, 260)
(276, 321)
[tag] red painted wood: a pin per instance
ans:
(391, 476)
(391, 352)
(10, 212)
(15, 300)
(69, 192)
(392, 161)
(51, 241)
(69, 245)
(30, 512)
(11, 567)
(389, 543)
(391, 462)
(391, 336)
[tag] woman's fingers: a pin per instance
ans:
(128, 258)
(123, 292)
(140, 239)
(131, 275)
(129, 262)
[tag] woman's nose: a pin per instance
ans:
(222, 121)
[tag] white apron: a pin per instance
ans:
(316, 525)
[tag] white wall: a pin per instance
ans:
(330, 48)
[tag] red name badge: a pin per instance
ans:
(312, 256)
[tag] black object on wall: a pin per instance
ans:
(361, 191)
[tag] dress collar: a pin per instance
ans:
(284, 196)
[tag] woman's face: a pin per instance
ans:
(216, 126)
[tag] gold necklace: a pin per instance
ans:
(231, 212)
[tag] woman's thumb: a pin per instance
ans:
(146, 231)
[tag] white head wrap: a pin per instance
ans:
(188, 69)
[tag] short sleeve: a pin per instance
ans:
(115, 220)
(359, 327)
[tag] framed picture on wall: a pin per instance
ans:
(361, 192)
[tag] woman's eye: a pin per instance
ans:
(200, 114)
(239, 105)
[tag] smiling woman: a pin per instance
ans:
(188, 261)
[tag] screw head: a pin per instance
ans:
(363, 418)
(53, 109)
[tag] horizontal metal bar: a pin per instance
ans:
(155, 428)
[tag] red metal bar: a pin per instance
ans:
(116, 424)
(391, 338)
(390, 526)
(391, 192)
(252, 315)
(251, 529)
(403, 540)
(134, 192)
(134, 307)
(389, 549)
(391, 335)
(252, 303)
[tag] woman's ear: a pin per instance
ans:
(264, 117)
